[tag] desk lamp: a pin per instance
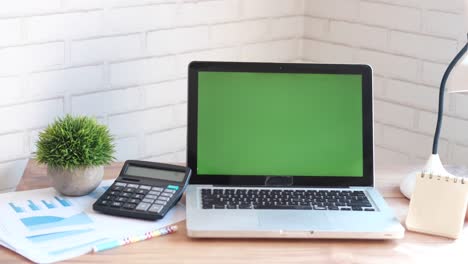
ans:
(455, 79)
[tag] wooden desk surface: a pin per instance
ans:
(177, 248)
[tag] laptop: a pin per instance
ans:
(283, 150)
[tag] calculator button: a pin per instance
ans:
(116, 204)
(110, 197)
(132, 186)
(138, 196)
(154, 193)
(114, 192)
(145, 187)
(149, 196)
(117, 188)
(163, 198)
(173, 187)
(104, 202)
(140, 191)
(125, 194)
(148, 200)
(143, 206)
(129, 206)
(155, 208)
(120, 184)
(135, 201)
(166, 194)
(121, 199)
(160, 202)
(158, 189)
(128, 189)
(169, 191)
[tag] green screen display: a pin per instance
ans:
(287, 124)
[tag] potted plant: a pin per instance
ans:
(75, 149)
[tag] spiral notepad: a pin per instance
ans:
(438, 205)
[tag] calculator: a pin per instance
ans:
(145, 190)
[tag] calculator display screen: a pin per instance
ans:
(155, 173)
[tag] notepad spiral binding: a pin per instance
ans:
(439, 177)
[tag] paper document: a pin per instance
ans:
(46, 227)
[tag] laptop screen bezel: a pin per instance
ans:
(290, 180)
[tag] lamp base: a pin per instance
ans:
(434, 166)
(407, 184)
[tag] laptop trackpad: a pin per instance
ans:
(293, 220)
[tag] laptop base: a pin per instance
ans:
(253, 223)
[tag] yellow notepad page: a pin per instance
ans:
(438, 205)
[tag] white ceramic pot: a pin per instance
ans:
(76, 182)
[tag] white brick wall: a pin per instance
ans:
(170, 41)
(28, 7)
(340, 9)
(29, 115)
(64, 26)
(390, 16)
(13, 92)
(105, 49)
(11, 31)
(109, 102)
(125, 62)
(393, 66)
(52, 83)
(21, 59)
(409, 44)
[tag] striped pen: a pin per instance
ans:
(134, 239)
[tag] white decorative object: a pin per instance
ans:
(10, 174)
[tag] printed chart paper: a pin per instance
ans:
(45, 227)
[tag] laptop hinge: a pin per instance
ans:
(266, 186)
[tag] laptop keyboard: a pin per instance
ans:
(334, 200)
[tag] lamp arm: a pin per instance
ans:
(442, 95)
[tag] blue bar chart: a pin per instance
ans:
(64, 202)
(16, 208)
(50, 221)
(33, 205)
(49, 204)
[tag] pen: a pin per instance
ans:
(134, 239)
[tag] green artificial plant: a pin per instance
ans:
(75, 142)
